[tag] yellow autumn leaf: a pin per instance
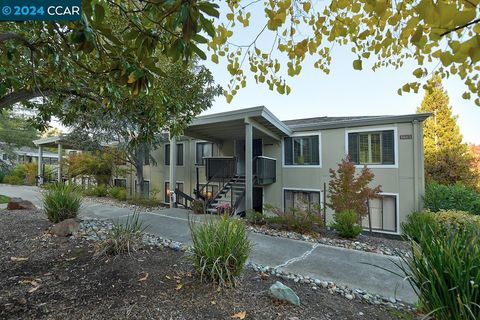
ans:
(179, 286)
(306, 6)
(132, 78)
(240, 315)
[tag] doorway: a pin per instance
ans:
(257, 150)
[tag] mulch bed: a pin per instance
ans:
(62, 280)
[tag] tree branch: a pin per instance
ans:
(460, 27)
(14, 36)
(25, 95)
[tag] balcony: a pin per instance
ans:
(220, 168)
(264, 170)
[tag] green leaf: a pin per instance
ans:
(418, 72)
(199, 52)
(357, 64)
(200, 39)
(209, 8)
(207, 25)
(99, 12)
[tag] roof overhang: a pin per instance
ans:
(380, 120)
(231, 125)
(52, 142)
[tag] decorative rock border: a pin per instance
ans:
(97, 230)
(342, 243)
(121, 204)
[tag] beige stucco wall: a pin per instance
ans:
(398, 180)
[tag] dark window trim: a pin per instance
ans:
(306, 135)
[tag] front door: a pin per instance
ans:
(240, 153)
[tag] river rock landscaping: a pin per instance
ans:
(367, 243)
(44, 276)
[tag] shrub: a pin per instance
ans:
(145, 202)
(451, 197)
(457, 220)
(418, 223)
(13, 180)
(123, 238)
(345, 223)
(255, 217)
(118, 193)
(96, 191)
(443, 268)
(61, 201)
(220, 249)
(198, 207)
(297, 220)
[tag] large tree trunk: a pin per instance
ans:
(139, 162)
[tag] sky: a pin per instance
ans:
(344, 92)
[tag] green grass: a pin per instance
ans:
(4, 199)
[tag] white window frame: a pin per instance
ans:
(303, 190)
(168, 180)
(397, 208)
(304, 134)
(164, 154)
(144, 180)
(373, 130)
(202, 142)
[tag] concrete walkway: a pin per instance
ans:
(355, 269)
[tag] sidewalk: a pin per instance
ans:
(352, 268)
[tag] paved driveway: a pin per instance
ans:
(343, 266)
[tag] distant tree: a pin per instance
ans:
(16, 130)
(447, 158)
(350, 192)
(475, 164)
(135, 127)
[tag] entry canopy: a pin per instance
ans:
(53, 142)
(231, 125)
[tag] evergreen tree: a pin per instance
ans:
(447, 159)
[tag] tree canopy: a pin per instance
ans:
(447, 158)
(117, 43)
(16, 130)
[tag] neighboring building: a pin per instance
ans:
(250, 158)
(26, 155)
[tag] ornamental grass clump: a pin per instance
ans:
(220, 249)
(123, 238)
(443, 267)
(61, 201)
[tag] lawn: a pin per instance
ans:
(52, 277)
(4, 199)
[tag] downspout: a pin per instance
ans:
(415, 166)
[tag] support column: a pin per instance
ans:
(40, 165)
(59, 172)
(173, 170)
(248, 166)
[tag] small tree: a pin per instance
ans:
(350, 192)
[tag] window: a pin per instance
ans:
(203, 150)
(117, 182)
(146, 188)
(376, 147)
(167, 190)
(302, 150)
(4, 156)
(301, 199)
(72, 153)
(147, 157)
(383, 212)
(209, 191)
(179, 154)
